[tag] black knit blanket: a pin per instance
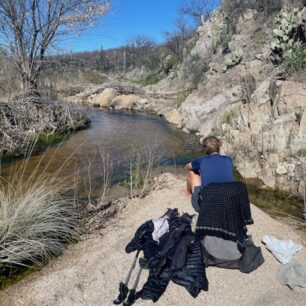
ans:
(224, 211)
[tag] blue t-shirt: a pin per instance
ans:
(214, 168)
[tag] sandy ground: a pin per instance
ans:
(89, 272)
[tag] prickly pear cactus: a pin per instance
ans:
(232, 59)
(287, 25)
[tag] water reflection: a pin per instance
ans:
(114, 133)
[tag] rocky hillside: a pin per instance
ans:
(252, 95)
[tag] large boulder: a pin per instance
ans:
(197, 112)
(126, 102)
(104, 99)
(292, 95)
(173, 116)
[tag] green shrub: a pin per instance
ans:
(296, 59)
(151, 79)
(171, 64)
(194, 70)
(300, 153)
(298, 117)
(229, 116)
(225, 41)
(259, 36)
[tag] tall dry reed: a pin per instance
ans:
(37, 218)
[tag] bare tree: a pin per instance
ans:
(140, 50)
(29, 27)
(176, 41)
(199, 10)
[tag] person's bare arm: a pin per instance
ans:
(188, 167)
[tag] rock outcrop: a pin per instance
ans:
(245, 99)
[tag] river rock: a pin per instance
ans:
(126, 101)
(237, 42)
(248, 168)
(185, 130)
(269, 180)
(105, 98)
(273, 158)
(173, 116)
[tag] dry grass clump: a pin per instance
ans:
(36, 222)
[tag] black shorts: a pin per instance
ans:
(195, 198)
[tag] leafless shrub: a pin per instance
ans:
(96, 179)
(106, 172)
(9, 79)
(199, 10)
(177, 40)
(23, 121)
(141, 162)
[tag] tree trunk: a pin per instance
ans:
(29, 83)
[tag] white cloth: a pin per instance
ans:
(283, 250)
(293, 274)
(161, 227)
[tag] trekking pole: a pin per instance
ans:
(132, 293)
(132, 268)
(123, 287)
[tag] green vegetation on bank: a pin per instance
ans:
(151, 79)
(42, 142)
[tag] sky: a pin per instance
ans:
(128, 18)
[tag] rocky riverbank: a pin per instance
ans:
(90, 271)
(254, 105)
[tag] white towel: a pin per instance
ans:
(283, 250)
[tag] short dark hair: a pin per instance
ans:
(211, 144)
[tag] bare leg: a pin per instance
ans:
(193, 180)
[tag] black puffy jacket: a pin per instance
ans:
(178, 257)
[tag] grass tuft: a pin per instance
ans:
(35, 224)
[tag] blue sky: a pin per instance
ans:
(128, 18)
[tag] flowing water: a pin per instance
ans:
(115, 133)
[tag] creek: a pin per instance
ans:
(115, 133)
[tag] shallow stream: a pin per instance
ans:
(117, 134)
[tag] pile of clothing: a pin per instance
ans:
(173, 253)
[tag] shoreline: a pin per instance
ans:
(77, 277)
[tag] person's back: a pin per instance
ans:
(212, 168)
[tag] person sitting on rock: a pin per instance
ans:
(211, 168)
